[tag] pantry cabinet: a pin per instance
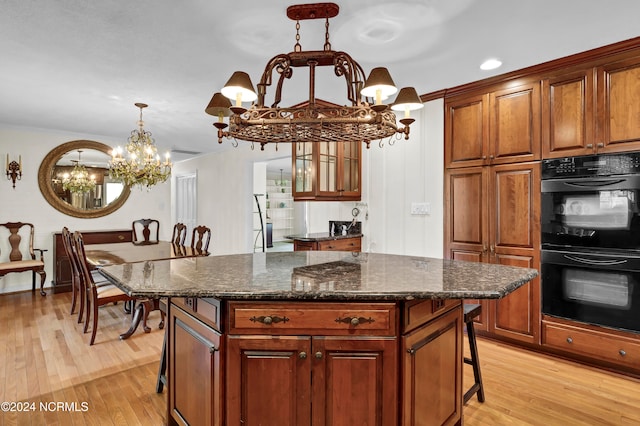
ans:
(593, 109)
(498, 127)
(493, 215)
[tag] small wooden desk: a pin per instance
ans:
(100, 255)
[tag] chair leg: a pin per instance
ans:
(162, 370)
(475, 363)
(94, 327)
(87, 313)
(43, 278)
(82, 296)
(74, 291)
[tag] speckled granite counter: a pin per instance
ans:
(321, 236)
(316, 276)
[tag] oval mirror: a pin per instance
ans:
(95, 194)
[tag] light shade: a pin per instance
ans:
(219, 106)
(407, 99)
(240, 84)
(379, 79)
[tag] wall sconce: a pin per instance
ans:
(14, 170)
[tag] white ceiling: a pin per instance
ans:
(79, 66)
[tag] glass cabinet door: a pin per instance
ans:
(303, 168)
(350, 168)
(328, 167)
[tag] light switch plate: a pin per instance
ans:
(420, 208)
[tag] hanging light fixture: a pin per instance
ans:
(366, 119)
(142, 166)
(78, 181)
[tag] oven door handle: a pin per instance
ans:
(594, 183)
(595, 262)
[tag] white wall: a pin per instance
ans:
(396, 176)
(393, 178)
(25, 203)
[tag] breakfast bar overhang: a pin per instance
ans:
(315, 338)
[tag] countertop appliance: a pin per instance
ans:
(590, 220)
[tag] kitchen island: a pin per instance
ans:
(315, 338)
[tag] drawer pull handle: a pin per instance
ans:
(302, 355)
(569, 340)
(121, 237)
(622, 352)
(319, 355)
(267, 320)
(355, 320)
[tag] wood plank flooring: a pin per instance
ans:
(45, 358)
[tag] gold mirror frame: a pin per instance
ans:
(46, 188)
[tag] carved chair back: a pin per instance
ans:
(145, 231)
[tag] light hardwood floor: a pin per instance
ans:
(44, 358)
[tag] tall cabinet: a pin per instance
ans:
(492, 196)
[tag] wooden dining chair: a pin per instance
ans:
(179, 234)
(145, 231)
(78, 286)
(22, 262)
(96, 295)
(200, 238)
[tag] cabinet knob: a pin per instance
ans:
(491, 157)
(569, 340)
(484, 249)
(589, 145)
(302, 355)
(484, 157)
(600, 145)
(355, 321)
(319, 355)
(267, 320)
(213, 349)
(492, 249)
(622, 352)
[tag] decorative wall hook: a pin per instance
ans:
(14, 170)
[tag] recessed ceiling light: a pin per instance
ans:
(490, 64)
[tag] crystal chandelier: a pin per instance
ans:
(142, 166)
(366, 119)
(78, 181)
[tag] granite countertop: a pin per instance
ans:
(322, 236)
(317, 275)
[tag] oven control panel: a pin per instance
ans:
(592, 165)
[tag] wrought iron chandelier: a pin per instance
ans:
(366, 119)
(142, 166)
(78, 181)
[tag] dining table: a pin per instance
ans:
(100, 255)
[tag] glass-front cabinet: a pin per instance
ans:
(328, 171)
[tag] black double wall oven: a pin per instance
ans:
(590, 220)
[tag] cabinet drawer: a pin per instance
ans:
(205, 309)
(591, 343)
(312, 318)
(420, 312)
(345, 244)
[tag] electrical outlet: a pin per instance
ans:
(420, 208)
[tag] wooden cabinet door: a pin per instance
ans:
(431, 375)
(515, 240)
(350, 170)
(466, 226)
(354, 381)
(466, 131)
(568, 114)
(268, 380)
(618, 127)
(514, 128)
(195, 393)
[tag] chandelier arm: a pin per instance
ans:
(345, 65)
(282, 64)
